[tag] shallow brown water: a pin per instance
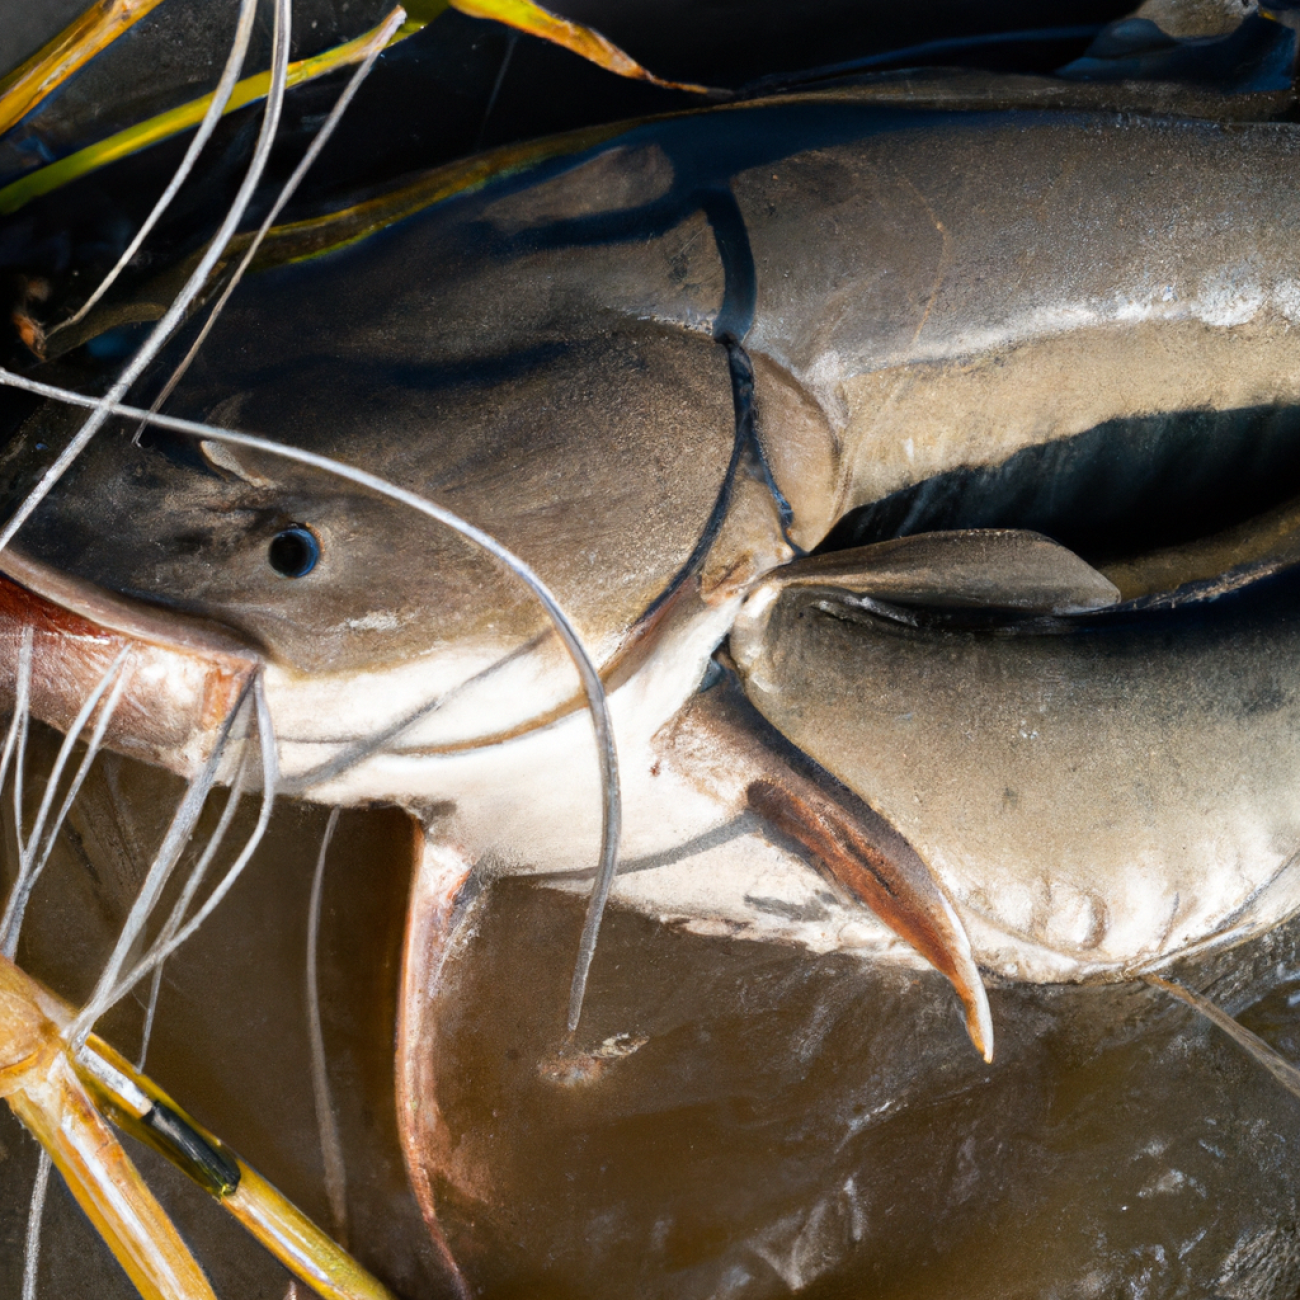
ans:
(231, 1040)
(789, 1125)
(797, 1123)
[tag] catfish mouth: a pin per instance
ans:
(183, 677)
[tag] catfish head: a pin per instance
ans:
(401, 662)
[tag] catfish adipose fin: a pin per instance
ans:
(848, 841)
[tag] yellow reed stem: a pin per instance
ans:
(303, 1248)
(163, 126)
(43, 1089)
(29, 83)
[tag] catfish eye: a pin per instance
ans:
(293, 553)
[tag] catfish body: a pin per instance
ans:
(1095, 798)
(919, 294)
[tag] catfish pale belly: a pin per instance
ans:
(919, 295)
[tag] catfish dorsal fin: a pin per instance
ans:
(975, 568)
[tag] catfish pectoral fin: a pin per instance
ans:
(441, 890)
(881, 869)
(734, 750)
(971, 568)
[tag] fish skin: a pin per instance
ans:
(461, 315)
(913, 312)
(1094, 798)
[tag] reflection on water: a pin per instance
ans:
(797, 1123)
(734, 1119)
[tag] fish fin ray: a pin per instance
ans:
(975, 568)
(847, 840)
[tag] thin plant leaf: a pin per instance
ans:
(520, 14)
(36, 79)
(585, 42)
(300, 241)
(382, 37)
(158, 336)
(218, 100)
(163, 126)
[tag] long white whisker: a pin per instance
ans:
(102, 408)
(150, 1011)
(359, 751)
(593, 688)
(177, 837)
(183, 906)
(22, 715)
(16, 733)
(220, 98)
(210, 852)
(39, 846)
(331, 1148)
(511, 41)
(79, 779)
(319, 141)
(160, 870)
(22, 695)
(161, 951)
(1284, 1071)
(70, 739)
(35, 1213)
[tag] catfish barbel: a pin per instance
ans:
(978, 428)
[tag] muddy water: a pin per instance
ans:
(760, 1122)
(231, 1041)
(796, 1124)
(734, 1119)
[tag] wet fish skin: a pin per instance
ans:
(928, 291)
(1094, 798)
